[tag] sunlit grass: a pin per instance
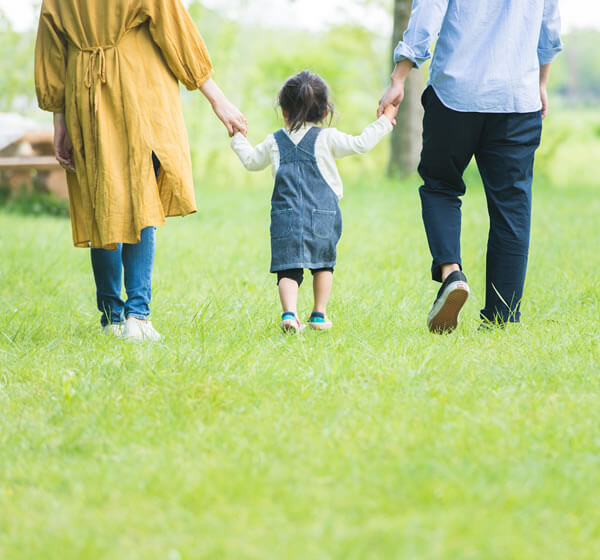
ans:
(229, 440)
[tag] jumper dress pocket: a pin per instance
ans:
(281, 223)
(323, 222)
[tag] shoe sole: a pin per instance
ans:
(288, 326)
(139, 338)
(443, 318)
(320, 326)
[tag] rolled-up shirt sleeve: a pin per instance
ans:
(549, 44)
(423, 28)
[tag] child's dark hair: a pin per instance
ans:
(305, 98)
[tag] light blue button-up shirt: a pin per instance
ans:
(488, 54)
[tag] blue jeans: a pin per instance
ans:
(504, 146)
(136, 262)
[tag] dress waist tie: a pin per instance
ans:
(95, 78)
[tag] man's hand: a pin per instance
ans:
(544, 76)
(393, 95)
(395, 92)
(63, 147)
(544, 97)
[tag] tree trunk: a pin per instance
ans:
(406, 137)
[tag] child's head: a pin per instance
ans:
(304, 98)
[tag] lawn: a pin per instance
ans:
(228, 440)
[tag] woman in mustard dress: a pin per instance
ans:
(110, 73)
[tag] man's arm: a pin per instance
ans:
(549, 46)
(423, 28)
(395, 91)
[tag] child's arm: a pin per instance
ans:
(342, 145)
(253, 159)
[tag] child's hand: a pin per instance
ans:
(242, 131)
(390, 112)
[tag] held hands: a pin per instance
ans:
(63, 147)
(394, 94)
(389, 103)
(390, 112)
(231, 117)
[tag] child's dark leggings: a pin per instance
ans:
(297, 274)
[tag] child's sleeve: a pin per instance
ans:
(253, 159)
(342, 145)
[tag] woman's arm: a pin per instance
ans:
(50, 64)
(175, 33)
(229, 114)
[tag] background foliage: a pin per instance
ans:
(377, 440)
(251, 63)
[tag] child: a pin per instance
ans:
(306, 222)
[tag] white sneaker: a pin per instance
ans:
(139, 330)
(114, 329)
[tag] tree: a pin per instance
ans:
(406, 137)
(17, 92)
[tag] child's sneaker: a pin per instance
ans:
(139, 330)
(453, 294)
(290, 323)
(319, 322)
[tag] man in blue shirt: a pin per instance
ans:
(486, 97)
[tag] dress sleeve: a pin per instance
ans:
(175, 33)
(423, 28)
(342, 145)
(549, 44)
(50, 64)
(253, 159)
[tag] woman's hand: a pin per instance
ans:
(229, 114)
(231, 117)
(63, 147)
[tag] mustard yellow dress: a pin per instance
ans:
(113, 67)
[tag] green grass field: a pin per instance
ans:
(376, 440)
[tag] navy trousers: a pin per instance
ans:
(504, 146)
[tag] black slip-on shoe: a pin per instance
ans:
(453, 294)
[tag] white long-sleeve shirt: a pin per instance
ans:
(331, 145)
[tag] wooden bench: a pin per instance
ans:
(40, 170)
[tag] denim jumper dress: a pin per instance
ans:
(306, 221)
